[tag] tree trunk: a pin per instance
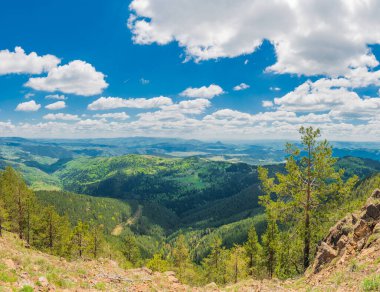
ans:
(306, 249)
(95, 244)
(19, 205)
(28, 228)
(251, 264)
(80, 246)
(51, 233)
(236, 268)
(270, 268)
(1, 228)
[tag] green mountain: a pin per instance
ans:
(155, 196)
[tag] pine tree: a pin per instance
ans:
(131, 250)
(237, 264)
(309, 186)
(31, 207)
(253, 250)
(96, 238)
(215, 263)
(158, 263)
(180, 254)
(63, 237)
(288, 256)
(3, 215)
(79, 238)
(270, 245)
(3, 207)
(15, 194)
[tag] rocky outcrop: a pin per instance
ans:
(350, 235)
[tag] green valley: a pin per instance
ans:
(150, 207)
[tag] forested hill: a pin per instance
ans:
(176, 192)
(173, 192)
(178, 184)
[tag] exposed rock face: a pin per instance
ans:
(350, 235)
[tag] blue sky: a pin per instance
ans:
(173, 69)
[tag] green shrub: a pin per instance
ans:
(371, 283)
(8, 277)
(27, 288)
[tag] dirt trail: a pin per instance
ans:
(119, 227)
(135, 216)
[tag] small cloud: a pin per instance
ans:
(56, 96)
(144, 81)
(61, 116)
(267, 103)
(274, 88)
(56, 105)
(241, 86)
(246, 62)
(29, 106)
(29, 95)
(106, 103)
(116, 116)
(203, 92)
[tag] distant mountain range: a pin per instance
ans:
(254, 153)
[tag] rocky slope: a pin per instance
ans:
(348, 259)
(349, 256)
(27, 270)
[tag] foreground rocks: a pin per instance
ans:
(351, 235)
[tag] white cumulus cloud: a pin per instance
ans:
(116, 116)
(309, 37)
(21, 63)
(28, 106)
(203, 92)
(195, 106)
(77, 77)
(61, 116)
(331, 95)
(106, 103)
(56, 105)
(267, 103)
(241, 86)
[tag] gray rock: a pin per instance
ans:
(43, 281)
(371, 212)
(325, 254)
(376, 194)
(361, 230)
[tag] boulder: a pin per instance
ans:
(361, 230)
(325, 254)
(169, 273)
(147, 270)
(43, 281)
(376, 229)
(354, 218)
(342, 242)
(211, 286)
(371, 212)
(173, 279)
(376, 194)
(361, 244)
